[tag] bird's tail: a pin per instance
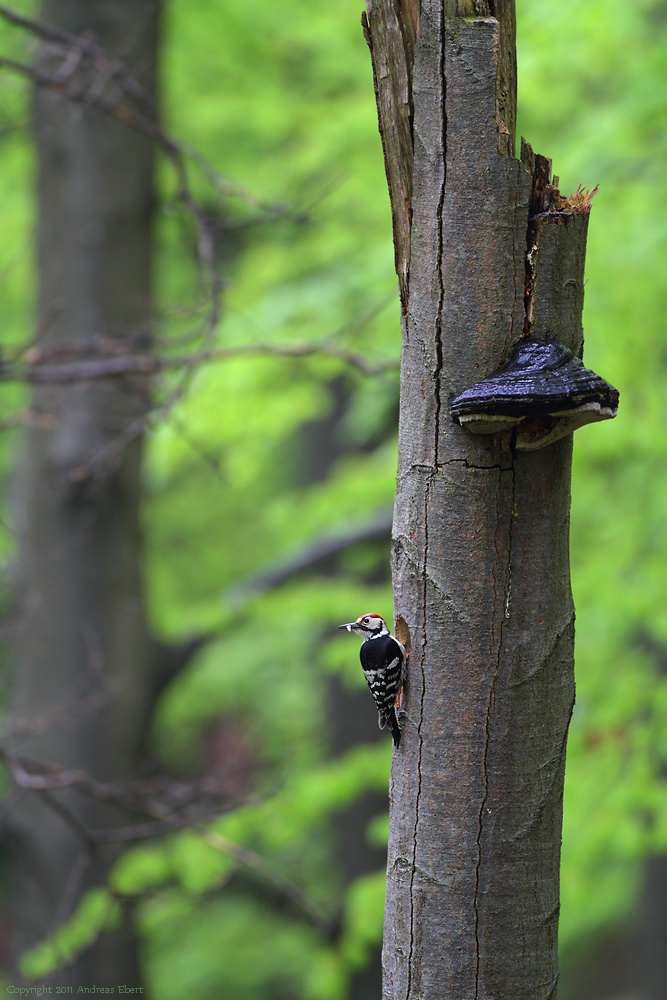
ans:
(390, 720)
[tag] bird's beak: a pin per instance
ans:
(349, 626)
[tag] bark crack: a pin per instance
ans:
(466, 463)
(419, 736)
(507, 594)
(439, 216)
(433, 472)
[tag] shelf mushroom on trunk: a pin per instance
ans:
(544, 392)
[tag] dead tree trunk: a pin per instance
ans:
(481, 530)
(82, 653)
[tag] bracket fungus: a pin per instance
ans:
(544, 392)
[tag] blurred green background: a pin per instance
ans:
(266, 456)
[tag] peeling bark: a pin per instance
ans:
(390, 28)
(481, 541)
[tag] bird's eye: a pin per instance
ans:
(365, 621)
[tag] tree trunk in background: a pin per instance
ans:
(82, 652)
(653, 935)
(481, 531)
(354, 855)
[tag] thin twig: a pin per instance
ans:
(60, 715)
(179, 152)
(79, 829)
(110, 68)
(148, 125)
(148, 364)
(84, 46)
(166, 800)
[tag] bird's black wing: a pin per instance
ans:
(382, 663)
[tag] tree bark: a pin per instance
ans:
(82, 652)
(481, 538)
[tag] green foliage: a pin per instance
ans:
(16, 261)
(601, 117)
(229, 945)
(363, 918)
(98, 911)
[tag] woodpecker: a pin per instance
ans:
(383, 663)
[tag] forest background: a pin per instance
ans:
(268, 491)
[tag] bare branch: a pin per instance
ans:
(79, 829)
(81, 54)
(51, 778)
(58, 716)
(286, 887)
(173, 802)
(91, 95)
(178, 152)
(37, 371)
(83, 46)
(375, 529)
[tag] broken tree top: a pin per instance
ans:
(544, 391)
